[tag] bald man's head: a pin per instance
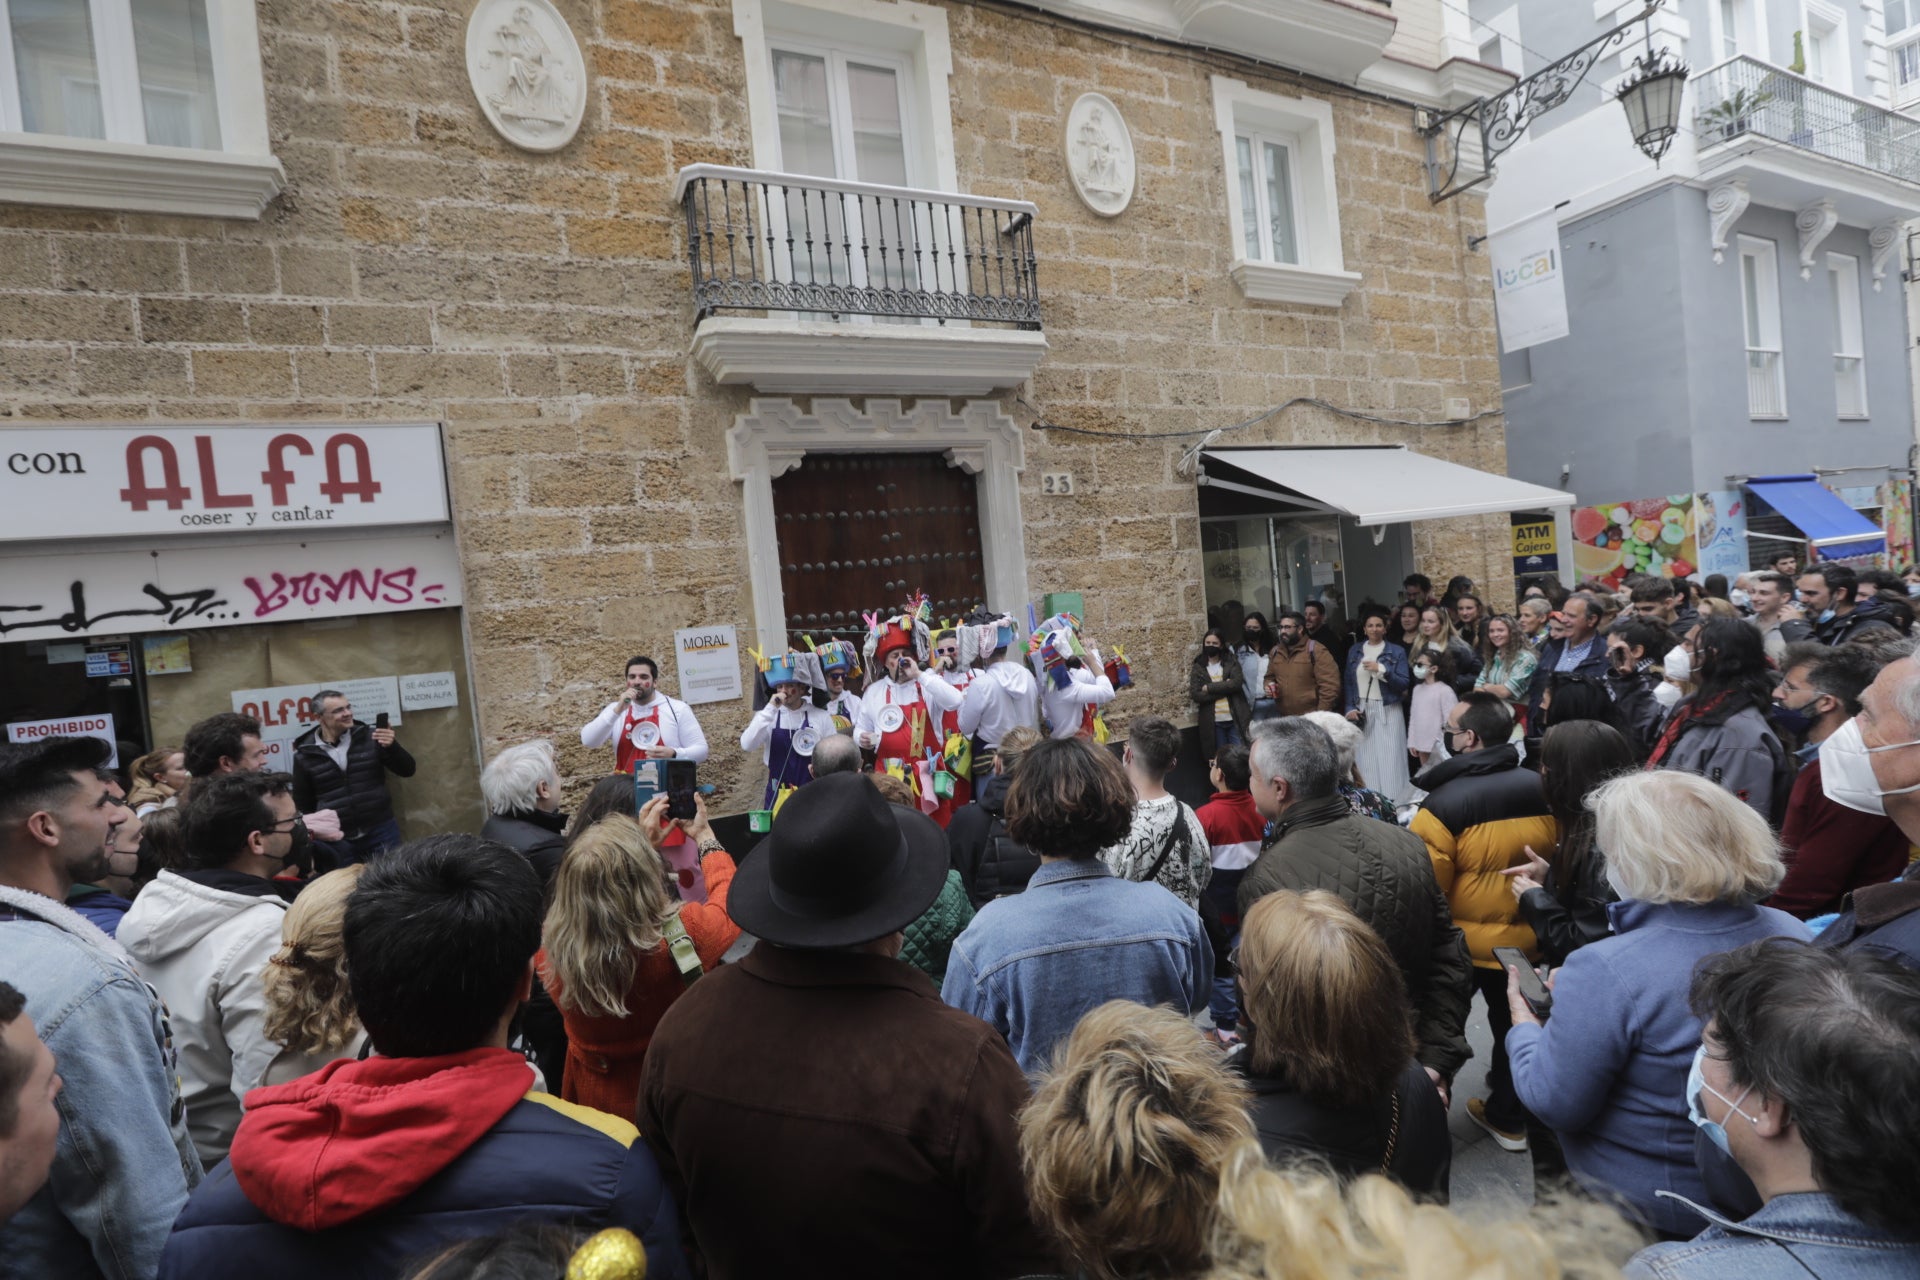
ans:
(836, 753)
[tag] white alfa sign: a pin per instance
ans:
(88, 726)
(1529, 285)
(107, 481)
(709, 663)
(44, 596)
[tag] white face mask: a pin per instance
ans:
(1846, 770)
(1678, 663)
(1613, 883)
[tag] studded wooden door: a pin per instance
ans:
(859, 531)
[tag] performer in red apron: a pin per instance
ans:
(901, 710)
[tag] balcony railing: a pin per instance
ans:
(1766, 389)
(1744, 97)
(1850, 386)
(761, 241)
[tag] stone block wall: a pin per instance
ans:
(418, 267)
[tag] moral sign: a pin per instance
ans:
(102, 481)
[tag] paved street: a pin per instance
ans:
(1484, 1176)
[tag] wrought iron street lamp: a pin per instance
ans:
(1651, 98)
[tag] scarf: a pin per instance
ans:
(1682, 720)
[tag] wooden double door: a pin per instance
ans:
(859, 531)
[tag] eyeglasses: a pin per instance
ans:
(297, 820)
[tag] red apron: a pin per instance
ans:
(910, 742)
(627, 755)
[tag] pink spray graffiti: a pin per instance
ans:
(375, 586)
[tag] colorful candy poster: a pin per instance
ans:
(1643, 535)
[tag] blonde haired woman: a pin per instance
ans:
(1608, 1071)
(1124, 1141)
(158, 779)
(1329, 1046)
(309, 1005)
(606, 957)
(1141, 1162)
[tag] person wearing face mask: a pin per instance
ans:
(1830, 595)
(1872, 764)
(203, 937)
(1830, 849)
(1606, 1071)
(1256, 641)
(1818, 1110)
(1218, 689)
(1721, 733)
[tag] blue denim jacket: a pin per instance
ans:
(1792, 1237)
(124, 1163)
(1033, 964)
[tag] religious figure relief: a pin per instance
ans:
(527, 72)
(1100, 154)
(530, 93)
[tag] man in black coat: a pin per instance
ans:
(341, 765)
(521, 786)
(1577, 648)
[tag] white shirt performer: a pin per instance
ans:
(786, 730)
(645, 724)
(1000, 698)
(904, 687)
(1070, 710)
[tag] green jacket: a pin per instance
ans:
(929, 940)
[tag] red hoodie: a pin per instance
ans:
(1234, 829)
(356, 1137)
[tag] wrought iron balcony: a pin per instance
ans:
(1745, 98)
(784, 242)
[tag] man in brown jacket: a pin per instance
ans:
(816, 1108)
(1302, 674)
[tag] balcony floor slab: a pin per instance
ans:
(791, 357)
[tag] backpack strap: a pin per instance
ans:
(686, 956)
(1177, 836)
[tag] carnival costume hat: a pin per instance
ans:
(1055, 643)
(837, 657)
(906, 630)
(840, 867)
(791, 667)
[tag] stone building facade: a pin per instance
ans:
(418, 267)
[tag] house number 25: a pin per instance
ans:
(1056, 482)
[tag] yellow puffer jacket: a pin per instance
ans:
(1481, 812)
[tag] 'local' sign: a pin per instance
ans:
(91, 482)
(1529, 286)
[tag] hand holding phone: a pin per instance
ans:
(682, 799)
(1539, 1000)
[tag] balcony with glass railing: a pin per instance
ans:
(1744, 100)
(807, 284)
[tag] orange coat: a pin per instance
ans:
(604, 1053)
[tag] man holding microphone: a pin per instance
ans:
(645, 724)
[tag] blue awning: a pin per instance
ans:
(1835, 529)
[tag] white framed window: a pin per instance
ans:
(1264, 172)
(1901, 14)
(1903, 59)
(1828, 60)
(1849, 343)
(828, 99)
(1283, 212)
(1760, 321)
(155, 106)
(1737, 27)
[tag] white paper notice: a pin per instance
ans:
(709, 661)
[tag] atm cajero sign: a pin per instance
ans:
(90, 482)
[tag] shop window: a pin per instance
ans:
(1283, 213)
(101, 102)
(858, 532)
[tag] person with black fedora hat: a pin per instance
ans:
(822, 1063)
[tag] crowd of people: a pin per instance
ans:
(986, 998)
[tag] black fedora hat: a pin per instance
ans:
(840, 867)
